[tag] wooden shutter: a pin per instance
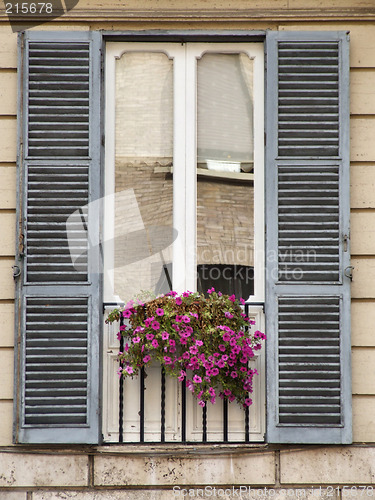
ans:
(307, 238)
(58, 306)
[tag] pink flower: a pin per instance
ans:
(155, 325)
(149, 336)
(148, 321)
(178, 301)
(198, 342)
(222, 347)
(186, 319)
(126, 348)
(172, 342)
(195, 315)
(147, 358)
(248, 402)
(167, 360)
(186, 355)
(215, 371)
(119, 372)
(232, 298)
(165, 335)
(127, 313)
(178, 318)
(182, 375)
(210, 290)
(187, 293)
(197, 379)
(190, 385)
(172, 293)
(193, 349)
(242, 301)
(227, 314)
(202, 403)
(123, 327)
(160, 312)
(118, 335)
(234, 374)
(226, 337)
(136, 340)
(155, 343)
(129, 370)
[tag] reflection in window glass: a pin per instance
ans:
(225, 192)
(143, 179)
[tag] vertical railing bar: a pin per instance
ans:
(142, 407)
(204, 423)
(183, 410)
(225, 420)
(247, 424)
(121, 391)
(162, 407)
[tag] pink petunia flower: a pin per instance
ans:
(197, 379)
(155, 325)
(160, 312)
(129, 370)
(147, 358)
(155, 343)
(229, 315)
(178, 301)
(136, 340)
(165, 335)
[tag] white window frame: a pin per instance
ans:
(185, 156)
(184, 58)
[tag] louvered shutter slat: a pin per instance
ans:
(58, 291)
(308, 299)
(68, 65)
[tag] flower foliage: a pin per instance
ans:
(206, 341)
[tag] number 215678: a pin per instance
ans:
(26, 8)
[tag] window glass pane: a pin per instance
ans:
(143, 178)
(225, 192)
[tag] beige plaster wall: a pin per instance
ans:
(291, 466)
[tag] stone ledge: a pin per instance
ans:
(337, 465)
(32, 469)
(233, 469)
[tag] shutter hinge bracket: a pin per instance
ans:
(346, 242)
(348, 272)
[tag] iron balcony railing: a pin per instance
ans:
(183, 413)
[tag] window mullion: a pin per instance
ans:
(191, 166)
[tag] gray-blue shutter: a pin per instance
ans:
(58, 312)
(307, 238)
